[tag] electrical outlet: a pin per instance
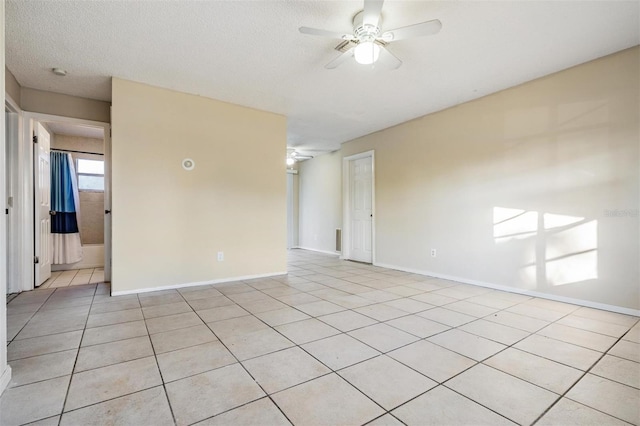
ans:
(220, 256)
(433, 252)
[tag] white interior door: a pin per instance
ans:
(42, 183)
(361, 174)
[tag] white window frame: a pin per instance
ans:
(78, 174)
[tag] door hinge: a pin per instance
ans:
(6, 211)
(35, 139)
(36, 259)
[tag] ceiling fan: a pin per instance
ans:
(368, 42)
(293, 157)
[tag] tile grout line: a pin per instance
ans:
(380, 353)
(244, 368)
(155, 357)
(578, 381)
(30, 318)
(509, 346)
(66, 396)
(331, 370)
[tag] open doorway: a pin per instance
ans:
(72, 243)
(292, 208)
(28, 216)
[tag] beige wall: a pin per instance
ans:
(534, 188)
(168, 223)
(91, 202)
(44, 102)
(320, 210)
(11, 86)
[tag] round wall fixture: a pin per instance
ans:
(188, 164)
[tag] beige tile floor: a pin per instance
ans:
(332, 343)
(74, 277)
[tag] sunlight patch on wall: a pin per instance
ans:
(565, 250)
(572, 255)
(513, 224)
(557, 220)
(572, 269)
(575, 239)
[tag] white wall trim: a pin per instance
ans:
(107, 201)
(333, 253)
(346, 204)
(580, 302)
(15, 253)
(12, 103)
(5, 379)
(197, 283)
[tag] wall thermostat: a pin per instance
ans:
(188, 164)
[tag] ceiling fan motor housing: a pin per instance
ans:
(364, 32)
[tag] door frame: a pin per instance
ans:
(26, 172)
(15, 219)
(290, 242)
(346, 204)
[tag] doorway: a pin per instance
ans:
(83, 149)
(359, 205)
(292, 209)
(85, 146)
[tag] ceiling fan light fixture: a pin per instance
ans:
(366, 52)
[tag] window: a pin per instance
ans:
(90, 175)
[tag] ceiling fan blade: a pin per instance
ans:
(416, 30)
(325, 33)
(372, 10)
(388, 59)
(340, 59)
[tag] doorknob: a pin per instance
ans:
(52, 213)
(107, 211)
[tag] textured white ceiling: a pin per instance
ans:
(250, 53)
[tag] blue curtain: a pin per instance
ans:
(64, 221)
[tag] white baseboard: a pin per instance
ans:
(5, 379)
(194, 284)
(580, 302)
(333, 253)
